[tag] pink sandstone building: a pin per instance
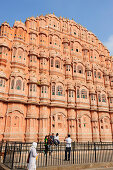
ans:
(55, 76)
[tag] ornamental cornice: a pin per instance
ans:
(18, 74)
(43, 54)
(3, 75)
(44, 80)
(70, 86)
(32, 79)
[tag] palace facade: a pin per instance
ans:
(55, 76)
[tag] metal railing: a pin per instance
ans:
(16, 154)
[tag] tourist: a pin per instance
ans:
(50, 142)
(68, 147)
(46, 144)
(56, 139)
(52, 138)
(32, 157)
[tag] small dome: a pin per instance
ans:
(19, 24)
(5, 24)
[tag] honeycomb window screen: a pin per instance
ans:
(53, 89)
(18, 84)
(104, 98)
(59, 91)
(78, 93)
(57, 64)
(83, 94)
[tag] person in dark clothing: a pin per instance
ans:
(46, 145)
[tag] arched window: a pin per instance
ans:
(78, 93)
(59, 91)
(99, 97)
(12, 84)
(74, 68)
(95, 74)
(57, 64)
(30, 87)
(1, 82)
(99, 75)
(70, 93)
(34, 87)
(80, 69)
(44, 89)
(104, 98)
(84, 94)
(52, 62)
(68, 67)
(18, 84)
(23, 86)
(53, 89)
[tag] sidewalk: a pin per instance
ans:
(95, 166)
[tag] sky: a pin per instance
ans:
(95, 15)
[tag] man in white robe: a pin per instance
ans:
(32, 157)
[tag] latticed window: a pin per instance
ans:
(12, 84)
(74, 68)
(50, 39)
(111, 100)
(30, 87)
(23, 86)
(18, 84)
(84, 94)
(99, 97)
(95, 74)
(91, 97)
(34, 59)
(99, 75)
(70, 93)
(59, 91)
(44, 89)
(53, 89)
(4, 83)
(1, 82)
(103, 98)
(57, 64)
(52, 62)
(78, 93)
(34, 87)
(68, 68)
(80, 69)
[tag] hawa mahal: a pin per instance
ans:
(55, 76)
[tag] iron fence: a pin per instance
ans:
(16, 154)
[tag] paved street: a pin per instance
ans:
(100, 168)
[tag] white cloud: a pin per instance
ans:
(109, 44)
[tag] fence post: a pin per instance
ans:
(88, 145)
(95, 151)
(5, 152)
(13, 156)
(73, 151)
(46, 159)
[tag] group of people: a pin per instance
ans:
(48, 141)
